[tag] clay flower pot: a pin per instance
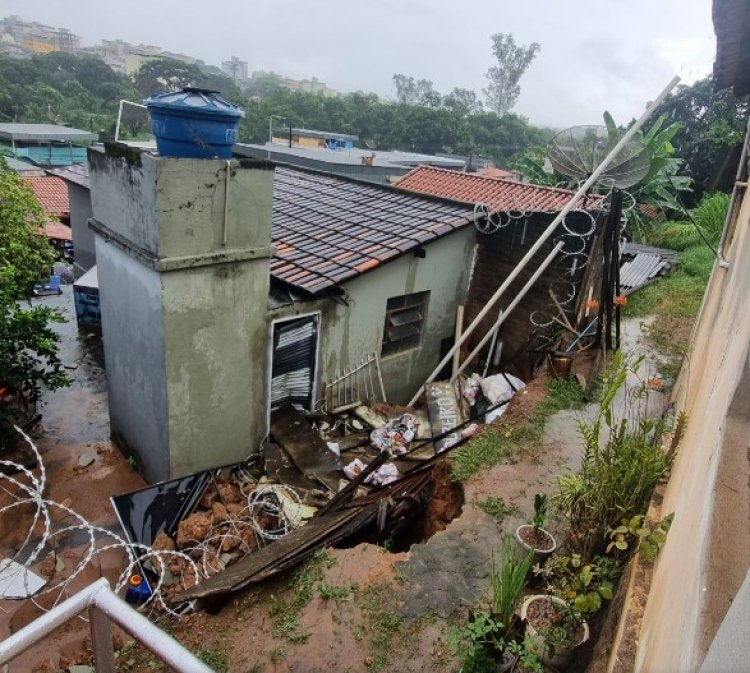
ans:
(537, 540)
(555, 655)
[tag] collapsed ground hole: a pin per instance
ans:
(441, 502)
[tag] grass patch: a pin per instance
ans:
(278, 654)
(333, 592)
(216, 659)
(498, 509)
(285, 612)
(500, 442)
(383, 624)
(675, 301)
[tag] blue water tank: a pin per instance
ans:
(194, 123)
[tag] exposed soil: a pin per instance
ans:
(536, 538)
(392, 609)
(543, 613)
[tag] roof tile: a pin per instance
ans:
(499, 194)
(52, 194)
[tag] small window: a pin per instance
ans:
(404, 322)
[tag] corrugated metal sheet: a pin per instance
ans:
(294, 350)
(638, 272)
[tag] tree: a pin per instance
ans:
(512, 62)
(28, 346)
(166, 74)
(711, 124)
(463, 101)
(416, 92)
(23, 250)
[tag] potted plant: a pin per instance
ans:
(554, 629)
(533, 537)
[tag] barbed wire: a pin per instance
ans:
(262, 517)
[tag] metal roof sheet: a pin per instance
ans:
(327, 229)
(45, 132)
(499, 194)
(77, 173)
(638, 272)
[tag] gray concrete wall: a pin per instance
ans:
(83, 238)
(215, 329)
(184, 324)
(130, 297)
(348, 333)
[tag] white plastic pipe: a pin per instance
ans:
(516, 300)
(550, 230)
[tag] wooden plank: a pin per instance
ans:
(305, 447)
(323, 530)
(101, 641)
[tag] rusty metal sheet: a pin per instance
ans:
(445, 413)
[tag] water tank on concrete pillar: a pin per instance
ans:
(194, 123)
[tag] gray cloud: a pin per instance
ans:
(596, 55)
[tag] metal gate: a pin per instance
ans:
(295, 344)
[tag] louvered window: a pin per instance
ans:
(404, 322)
(293, 368)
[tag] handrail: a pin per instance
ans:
(583, 189)
(730, 218)
(103, 605)
(119, 116)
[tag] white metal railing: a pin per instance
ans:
(582, 190)
(119, 115)
(103, 606)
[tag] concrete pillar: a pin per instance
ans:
(183, 283)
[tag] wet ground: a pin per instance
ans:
(420, 591)
(74, 429)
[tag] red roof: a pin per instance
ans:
(500, 195)
(58, 231)
(52, 194)
(492, 172)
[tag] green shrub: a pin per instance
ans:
(619, 470)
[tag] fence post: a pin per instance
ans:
(101, 641)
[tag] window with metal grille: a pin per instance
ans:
(404, 322)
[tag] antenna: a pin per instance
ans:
(577, 151)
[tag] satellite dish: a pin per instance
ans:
(577, 151)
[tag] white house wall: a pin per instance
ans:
(350, 332)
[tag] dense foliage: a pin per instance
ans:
(28, 346)
(84, 92)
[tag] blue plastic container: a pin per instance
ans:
(194, 123)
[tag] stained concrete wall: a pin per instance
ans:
(133, 333)
(183, 314)
(350, 332)
(83, 237)
(707, 553)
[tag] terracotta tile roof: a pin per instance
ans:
(501, 195)
(328, 229)
(58, 231)
(492, 172)
(52, 194)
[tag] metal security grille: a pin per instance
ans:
(293, 370)
(404, 322)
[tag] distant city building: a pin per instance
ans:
(309, 138)
(31, 37)
(235, 68)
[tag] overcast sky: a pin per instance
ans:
(595, 55)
